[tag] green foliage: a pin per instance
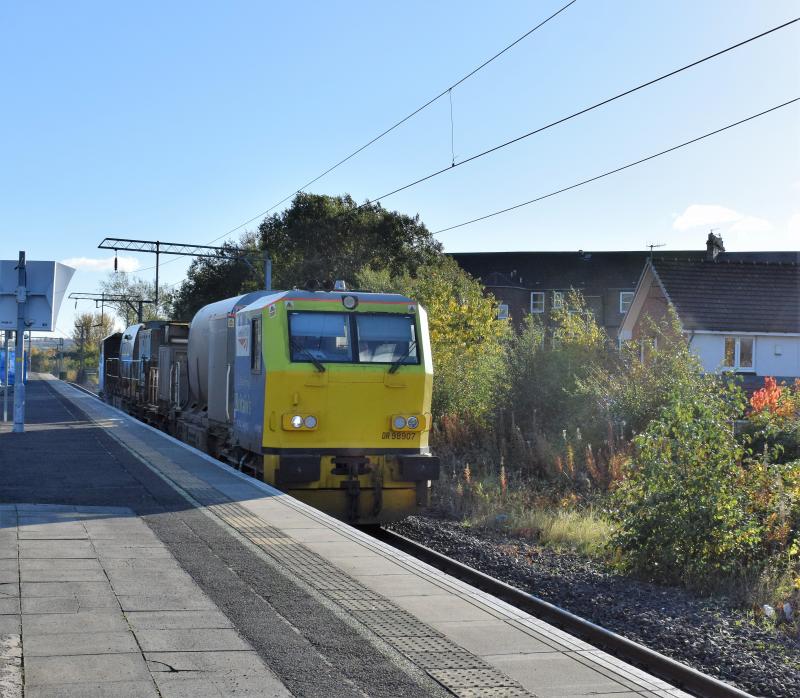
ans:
(546, 366)
(317, 239)
(467, 339)
(682, 513)
(632, 389)
(210, 279)
(331, 237)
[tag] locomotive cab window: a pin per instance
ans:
(316, 336)
(255, 345)
(386, 339)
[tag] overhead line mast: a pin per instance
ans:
(157, 247)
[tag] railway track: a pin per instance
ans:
(675, 673)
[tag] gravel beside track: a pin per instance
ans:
(704, 633)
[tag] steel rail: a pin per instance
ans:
(670, 670)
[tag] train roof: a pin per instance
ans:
(302, 295)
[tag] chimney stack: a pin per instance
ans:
(713, 247)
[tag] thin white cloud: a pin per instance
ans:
(751, 224)
(705, 215)
(107, 264)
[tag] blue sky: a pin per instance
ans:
(177, 121)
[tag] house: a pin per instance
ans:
(739, 312)
(535, 282)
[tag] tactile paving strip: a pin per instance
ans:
(462, 673)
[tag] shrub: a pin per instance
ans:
(682, 512)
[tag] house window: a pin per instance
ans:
(558, 299)
(537, 302)
(625, 300)
(738, 354)
(502, 312)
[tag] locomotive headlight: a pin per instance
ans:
(349, 302)
(412, 422)
(297, 421)
(399, 422)
(310, 422)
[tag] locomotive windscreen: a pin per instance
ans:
(333, 337)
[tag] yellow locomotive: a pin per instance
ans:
(324, 394)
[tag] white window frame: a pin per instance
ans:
(623, 308)
(538, 306)
(558, 299)
(502, 312)
(738, 354)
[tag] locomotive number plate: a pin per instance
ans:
(399, 435)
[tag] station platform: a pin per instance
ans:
(134, 565)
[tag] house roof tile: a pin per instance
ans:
(734, 295)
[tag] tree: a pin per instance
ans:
(318, 238)
(211, 279)
(134, 287)
(467, 339)
(88, 331)
(546, 366)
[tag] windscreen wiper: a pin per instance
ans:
(396, 364)
(314, 360)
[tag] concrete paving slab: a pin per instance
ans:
(34, 589)
(69, 604)
(241, 662)
(190, 640)
(493, 637)
(205, 685)
(10, 625)
(7, 564)
(99, 621)
(140, 564)
(53, 532)
(117, 689)
(168, 585)
(333, 550)
(55, 549)
(9, 590)
(57, 574)
(554, 675)
(442, 608)
(80, 563)
(369, 566)
(165, 603)
(306, 535)
(125, 551)
(166, 620)
(9, 605)
(89, 668)
(68, 644)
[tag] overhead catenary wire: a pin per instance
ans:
(385, 132)
(617, 169)
(391, 128)
(580, 112)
